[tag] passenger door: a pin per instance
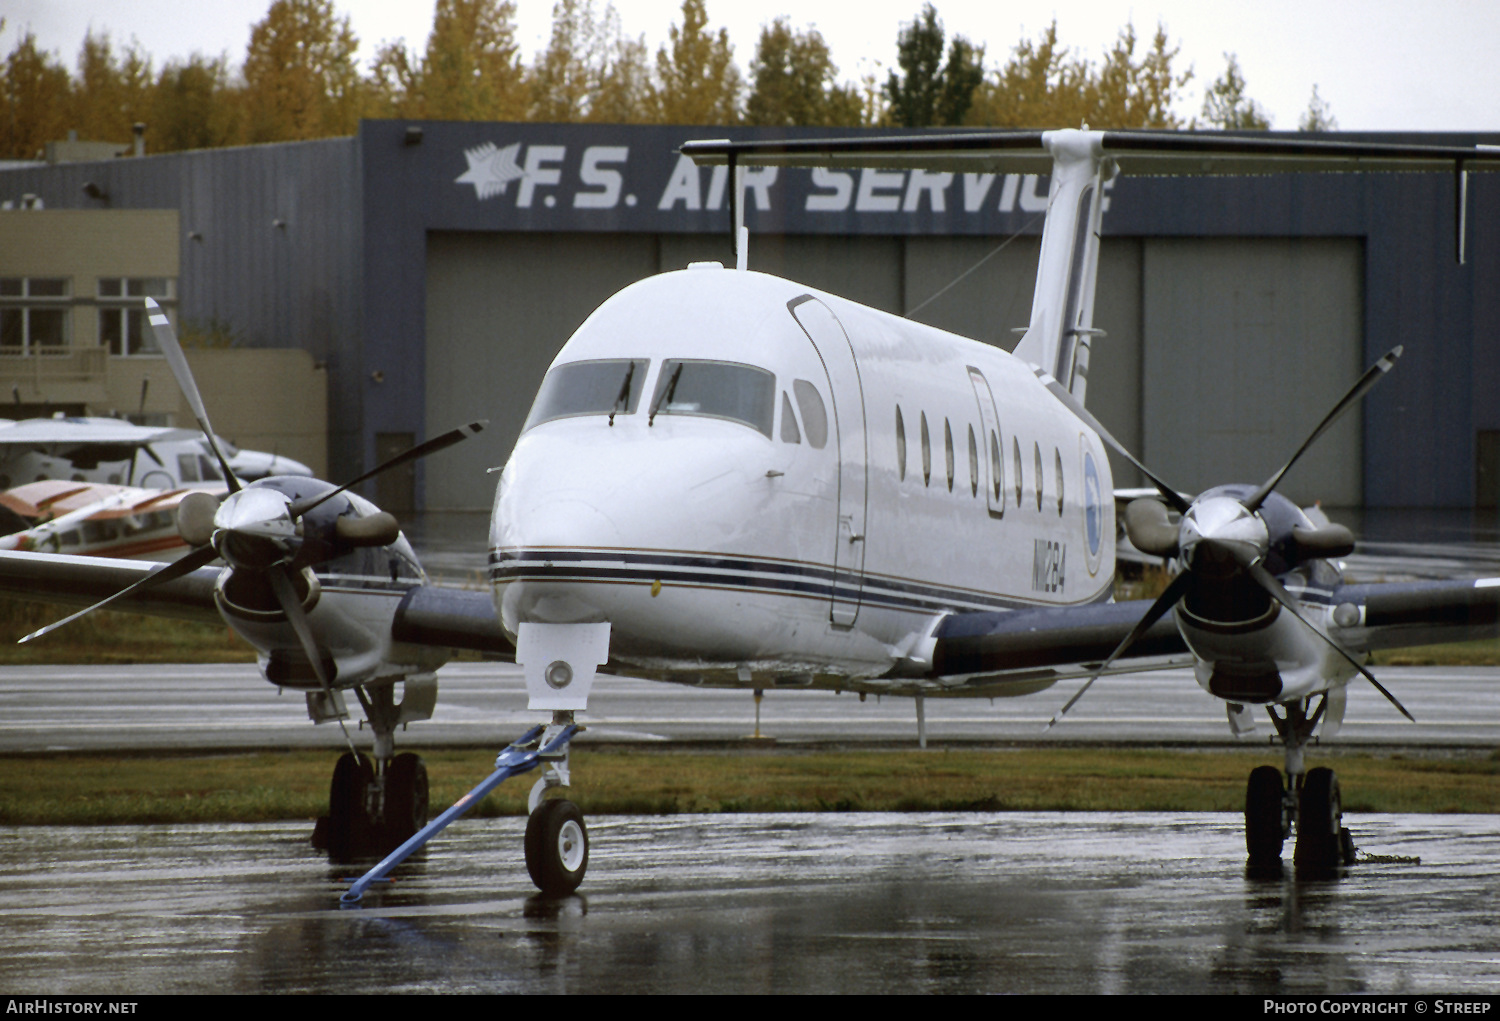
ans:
(831, 342)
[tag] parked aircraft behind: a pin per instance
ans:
(96, 519)
(116, 452)
(728, 478)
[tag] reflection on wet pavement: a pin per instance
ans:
(1013, 902)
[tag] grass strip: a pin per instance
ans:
(99, 789)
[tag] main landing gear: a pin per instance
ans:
(374, 805)
(1309, 802)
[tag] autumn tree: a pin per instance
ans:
(624, 93)
(1043, 85)
(590, 71)
(300, 77)
(34, 100)
(794, 81)
(1226, 106)
(697, 81)
(194, 106)
(929, 91)
(110, 95)
(473, 70)
(1317, 117)
(1131, 93)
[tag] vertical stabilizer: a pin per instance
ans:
(1062, 311)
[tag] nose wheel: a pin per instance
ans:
(557, 847)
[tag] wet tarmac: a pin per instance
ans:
(857, 903)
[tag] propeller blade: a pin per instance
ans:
(168, 572)
(1268, 581)
(1068, 401)
(1372, 376)
(1164, 602)
(286, 596)
(421, 450)
(166, 339)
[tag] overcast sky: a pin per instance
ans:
(1380, 65)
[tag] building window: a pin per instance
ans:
(33, 315)
(122, 314)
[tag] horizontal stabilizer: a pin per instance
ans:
(1138, 153)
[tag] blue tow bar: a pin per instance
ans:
(520, 757)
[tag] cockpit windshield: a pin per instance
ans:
(606, 387)
(741, 393)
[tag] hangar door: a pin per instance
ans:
(1248, 343)
(499, 307)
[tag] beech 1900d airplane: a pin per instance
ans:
(730, 479)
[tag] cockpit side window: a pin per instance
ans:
(729, 390)
(814, 413)
(789, 432)
(604, 387)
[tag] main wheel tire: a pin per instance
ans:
(1320, 820)
(348, 820)
(1265, 816)
(405, 798)
(557, 847)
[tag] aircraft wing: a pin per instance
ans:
(46, 432)
(1395, 615)
(83, 581)
(1026, 650)
(988, 654)
(427, 614)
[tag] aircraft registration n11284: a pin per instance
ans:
(731, 479)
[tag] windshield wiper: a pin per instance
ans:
(666, 395)
(623, 400)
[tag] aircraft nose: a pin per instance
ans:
(558, 523)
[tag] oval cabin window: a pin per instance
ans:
(973, 465)
(926, 453)
(1037, 449)
(1058, 455)
(900, 445)
(1015, 450)
(948, 452)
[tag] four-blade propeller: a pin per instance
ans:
(258, 529)
(1222, 538)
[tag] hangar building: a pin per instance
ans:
(435, 268)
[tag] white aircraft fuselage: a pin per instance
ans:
(733, 538)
